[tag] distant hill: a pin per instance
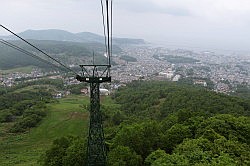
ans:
(61, 35)
(70, 48)
(65, 51)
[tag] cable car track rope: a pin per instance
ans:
(63, 65)
(27, 53)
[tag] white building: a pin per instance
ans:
(200, 82)
(176, 78)
(104, 92)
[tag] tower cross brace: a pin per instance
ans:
(96, 150)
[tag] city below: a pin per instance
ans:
(222, 73)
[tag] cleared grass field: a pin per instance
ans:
(67, 117)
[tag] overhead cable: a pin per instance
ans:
(107, 21)
(111, 34)
(27, 53)
(108, 29)
(38, 49)
(104, 28)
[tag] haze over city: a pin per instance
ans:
(124, 82)
(208, 24)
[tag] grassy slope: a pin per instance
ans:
(67, 117)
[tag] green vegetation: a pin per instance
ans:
(242, 91)
(145, 123)
(66, 52)
(128, 58)
(49, 84)
(159, 123)
(175, 59)
(76, 89)
(67, 116)
(25, 109)
(190, 81)
(82, 37)
(66, 151)
(191, 126)
(30, 119)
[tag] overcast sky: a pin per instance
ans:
(223, 24)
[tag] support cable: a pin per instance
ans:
(108, 29)
(104, 28)
(27, 53)
(38, 49)
(111, 27)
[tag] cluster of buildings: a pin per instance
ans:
(146, 66)
(11, 78)
(225, 72)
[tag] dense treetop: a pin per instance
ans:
(161, 123)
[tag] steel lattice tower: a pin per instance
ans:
(95, 75)
(96, 151)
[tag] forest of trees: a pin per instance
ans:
(25, 104)
(160, 123)
(61, 50)
(24, 109)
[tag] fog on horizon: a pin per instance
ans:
(208, 24)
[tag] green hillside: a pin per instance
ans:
(66, 117)
(66, 52)
(61, 35)
(146, 123)
(171, 124)
(161, 123)
(32, 119)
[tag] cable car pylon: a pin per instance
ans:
(95, 74)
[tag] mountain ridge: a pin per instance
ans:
(62, 35)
